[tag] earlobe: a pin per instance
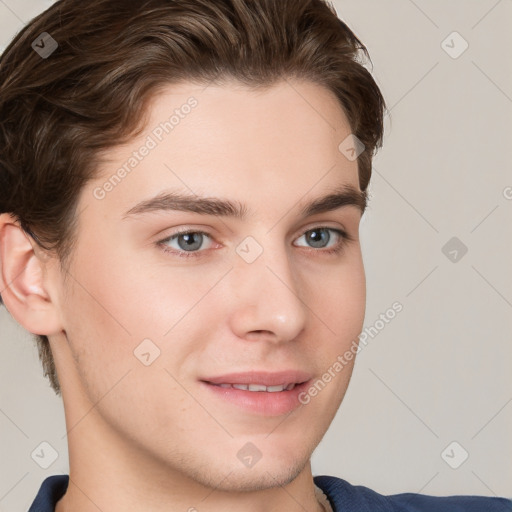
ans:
(22, 280)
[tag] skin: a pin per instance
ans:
(152, 434)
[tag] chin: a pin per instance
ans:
(266, 476)
(233, 476)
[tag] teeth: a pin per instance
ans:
(273, 389)
(259, 387)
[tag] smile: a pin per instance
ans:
(259, 387)
(259, 392)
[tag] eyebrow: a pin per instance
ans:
(174, 201)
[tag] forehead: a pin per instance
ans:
(232, 141)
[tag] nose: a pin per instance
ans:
(266, 302)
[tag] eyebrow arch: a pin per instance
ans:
(174, 201)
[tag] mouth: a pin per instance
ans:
(258, 387)
(262, 393)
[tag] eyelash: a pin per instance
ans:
(344, 239)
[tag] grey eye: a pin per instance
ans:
(318, 238)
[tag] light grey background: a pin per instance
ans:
(439, 372)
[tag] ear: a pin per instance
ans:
(22, 272)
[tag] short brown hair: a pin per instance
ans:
(57, 114)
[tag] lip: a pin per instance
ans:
(260, 402)
(261, 377)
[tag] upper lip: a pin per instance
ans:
(262, 378)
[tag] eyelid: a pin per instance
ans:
(183, 231)
(325, 225)
(345, 237)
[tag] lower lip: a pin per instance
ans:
(260, 402)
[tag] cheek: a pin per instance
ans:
(108, 313)
(338, 296)
(115, 305)
(346, 302)
(341, 310)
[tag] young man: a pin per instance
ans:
(181, 189)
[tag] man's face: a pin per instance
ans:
(154, 338)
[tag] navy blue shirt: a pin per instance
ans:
(343, 497)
